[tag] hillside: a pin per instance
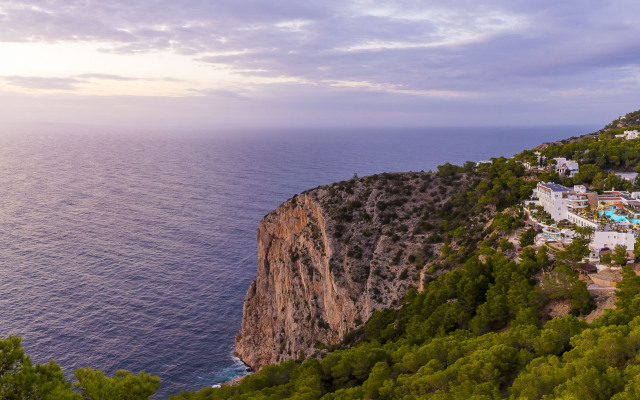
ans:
(331, 256)
(626, 121)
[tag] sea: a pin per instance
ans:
(134, 250)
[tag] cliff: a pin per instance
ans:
(331, 256)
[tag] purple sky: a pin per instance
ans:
(246, 63)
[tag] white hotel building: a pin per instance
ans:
(560, 201)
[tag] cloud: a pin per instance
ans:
(423, 45)
(237, 93)
(112, 77)
(465, 53)
(109, 77)
(40, 83)
(71, 83)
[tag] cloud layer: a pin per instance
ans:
(459, 57)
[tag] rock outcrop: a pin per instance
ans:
(331, 256)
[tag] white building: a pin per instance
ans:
(610, 239)
(581, 221)
(580, 188)
(566, 167)
(560, 201)
(539, 159)
(628, 135)
(629, 176)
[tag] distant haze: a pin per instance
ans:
(253, 64)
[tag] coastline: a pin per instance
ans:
(231, 375)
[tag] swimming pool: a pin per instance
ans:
(619, 218)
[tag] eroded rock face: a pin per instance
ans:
(331, 256)
(294, 295)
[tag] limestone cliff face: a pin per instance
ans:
(331, 256)
(294, 295)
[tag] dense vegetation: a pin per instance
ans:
(440, 345)
(598, 158)
(478, 330)
(20, 379)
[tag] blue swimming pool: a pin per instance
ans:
(619, 218)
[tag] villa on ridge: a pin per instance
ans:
(628, 135)
(566, 167)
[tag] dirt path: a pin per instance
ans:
(604, 297)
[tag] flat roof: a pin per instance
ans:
(554, 187)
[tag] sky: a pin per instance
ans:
(210, 64)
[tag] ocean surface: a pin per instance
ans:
(134, 251)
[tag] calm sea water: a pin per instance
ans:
(135, 251)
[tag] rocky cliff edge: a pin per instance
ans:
(331, 256)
